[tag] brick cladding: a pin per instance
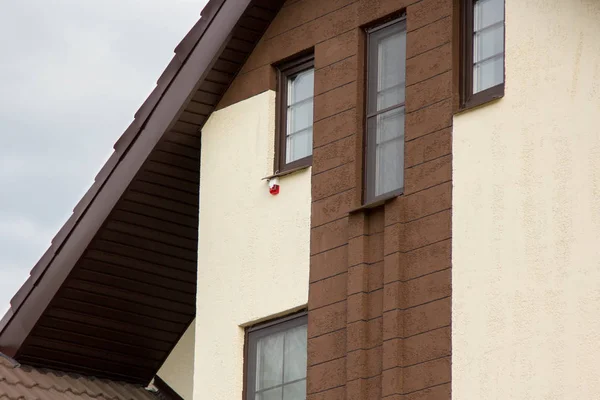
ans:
(380, 278)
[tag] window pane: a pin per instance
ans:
(277, 367)
(390, 125)
(389, 167)
(269, 363)
(488, 43)
(300, 116)
(273, 394)
(388, 129)
(295, 391)
(488, 73)
(386, 88)
(299, 145)
(487, 12)
(387, 67)
(301, 86)
(390, 97)
(295, 354)
(390, 60)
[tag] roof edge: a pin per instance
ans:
(195, 55)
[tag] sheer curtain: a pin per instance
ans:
(281, 365)
(387, 66)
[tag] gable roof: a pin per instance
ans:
(25, 383)
(116, 289)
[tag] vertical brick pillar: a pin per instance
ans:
(365, 279)
(392, 335)
(380, 278)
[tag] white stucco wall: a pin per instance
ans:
(178, 369)
(526, 215)
(253, 246)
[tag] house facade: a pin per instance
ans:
(343, 199)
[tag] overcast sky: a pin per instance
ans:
(72, 74)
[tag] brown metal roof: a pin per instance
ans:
(26, 383)
(116, 289)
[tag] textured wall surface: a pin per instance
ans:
(379, 297)
(178, 369)
(253, 247)
(526, 215)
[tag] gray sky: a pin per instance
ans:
(73, 73)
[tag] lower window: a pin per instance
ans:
(276, 360)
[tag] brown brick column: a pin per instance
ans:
(365, 293)
(380, 278)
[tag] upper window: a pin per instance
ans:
(293, 147)
(483, 51)
(386, 86)
(276, 360)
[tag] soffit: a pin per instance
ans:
(116, 289)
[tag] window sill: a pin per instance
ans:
(378, 201)
(287, 172)
(482, 98)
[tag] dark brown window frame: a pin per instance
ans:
(255, 332)
(468, 99)
(369, 201)
(286, 70)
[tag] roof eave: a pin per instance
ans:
(152, 121)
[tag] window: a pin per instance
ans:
(384, 144)
(483, 51)
(293, 147)
(276, 360)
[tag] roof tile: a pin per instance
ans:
(26, 383)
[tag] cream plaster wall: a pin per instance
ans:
(253, 246)
(178, 369)
(526, 215)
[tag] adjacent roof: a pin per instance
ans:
(116, 289)
(25, 383)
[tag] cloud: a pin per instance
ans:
(73, 73)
